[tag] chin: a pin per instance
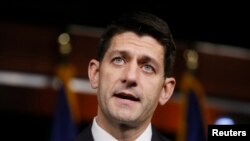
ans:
(126, 120)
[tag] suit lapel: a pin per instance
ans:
(157, 136)
(85, 135)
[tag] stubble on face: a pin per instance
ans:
(132, 103)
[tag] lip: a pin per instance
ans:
(127, 96)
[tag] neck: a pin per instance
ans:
(121, 131)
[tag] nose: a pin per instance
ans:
(131, 75)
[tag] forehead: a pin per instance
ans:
(141, 44)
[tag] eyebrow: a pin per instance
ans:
(122, 52)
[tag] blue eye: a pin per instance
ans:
(118, 61)
(148, 68)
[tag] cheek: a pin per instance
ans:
(152, 89)
(108, 79)
(110, 74)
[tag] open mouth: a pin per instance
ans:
(127, 96)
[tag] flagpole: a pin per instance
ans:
(66, 72)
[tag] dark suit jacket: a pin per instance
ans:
(86, 135)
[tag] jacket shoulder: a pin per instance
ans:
(158, 136)
(85, 135)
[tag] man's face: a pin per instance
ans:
(130, 79)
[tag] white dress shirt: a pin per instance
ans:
(100, 134)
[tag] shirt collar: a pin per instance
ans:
(99, 134)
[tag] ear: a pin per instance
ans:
(93, 72)
(167, 90)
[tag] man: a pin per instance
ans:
(132, 75)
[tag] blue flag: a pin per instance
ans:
(193, 119)
(63, 128)
(194, 125)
